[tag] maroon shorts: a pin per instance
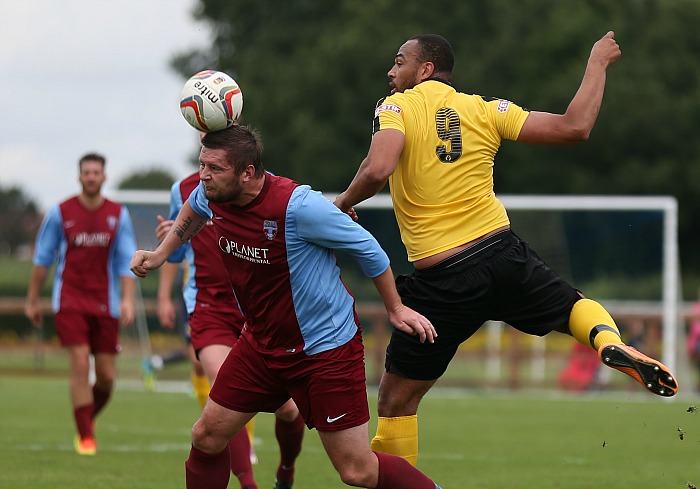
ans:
(329, 388)
(100, 332)
(214, 328)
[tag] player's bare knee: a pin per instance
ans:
(105, 379)
(356, 476)
(288, 412)
(384, 407)
(198, 433)
(399, 396)
(396, 405)
(205, 439)
(81, 366)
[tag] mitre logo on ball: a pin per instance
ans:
(211, 101)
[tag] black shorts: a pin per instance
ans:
(499, 279)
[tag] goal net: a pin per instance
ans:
(146, 337)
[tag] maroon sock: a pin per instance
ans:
(397, 473)
(239, 451)
(83, 420)
(207, 471)
(289, 436)
(100, 398)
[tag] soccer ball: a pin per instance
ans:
(211, 101)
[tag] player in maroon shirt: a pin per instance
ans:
(215, 324)
(93, 239)
(302, 338)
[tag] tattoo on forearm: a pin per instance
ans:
(184, 232)
(181, 230)
(198, 227)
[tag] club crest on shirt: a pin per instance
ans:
(111, 222)
(270, 229)
(503, 106)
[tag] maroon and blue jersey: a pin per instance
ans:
(278, 252)
(93, 249)
(207, 284)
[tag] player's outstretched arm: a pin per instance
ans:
(371, 177)
(144, 261)
(576, 124)
(402, 317)
(187, 224)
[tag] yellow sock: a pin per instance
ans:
(591, 324)
(201, 386)
(250, 427)
(397, 436)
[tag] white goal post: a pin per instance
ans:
(670, 262)
(668, 307)
(667, 205)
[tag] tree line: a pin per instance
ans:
(312, 70)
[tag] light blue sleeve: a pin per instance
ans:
(50, 238)
(319, 221)
(125, 245)
(175, 200)
(199, 202)
(175, 205)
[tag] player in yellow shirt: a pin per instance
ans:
(436, 147)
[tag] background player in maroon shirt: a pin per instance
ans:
(215, 325)
(93, 239)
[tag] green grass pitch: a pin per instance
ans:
(468, 439)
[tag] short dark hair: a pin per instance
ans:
(437, 50)
(242, 144)
(92, 157)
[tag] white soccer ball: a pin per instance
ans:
(211, 101)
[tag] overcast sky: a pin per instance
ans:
(91, 75)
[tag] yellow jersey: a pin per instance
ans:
(442, 188)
